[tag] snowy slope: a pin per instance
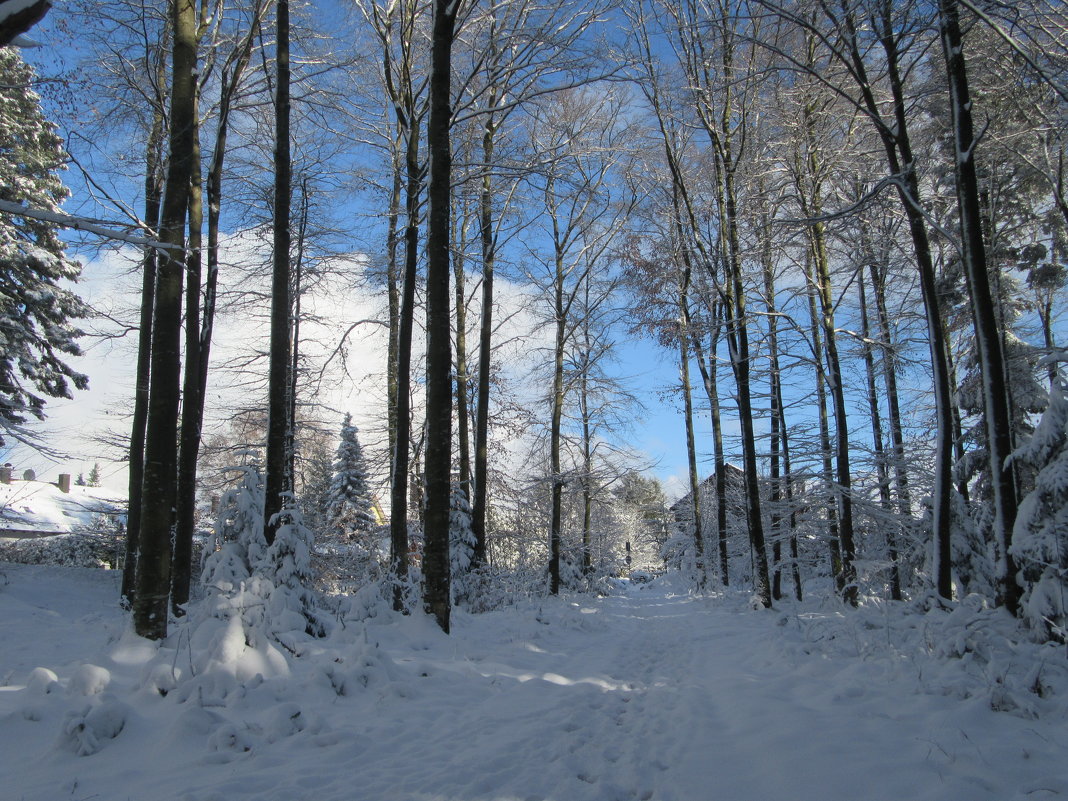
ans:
(38, 507)
(645, 695)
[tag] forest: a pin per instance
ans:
(845, 223)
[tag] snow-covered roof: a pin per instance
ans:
(38, 507)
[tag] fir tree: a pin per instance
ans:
(35, 312)
(1040, 536)
(94, 475)
(461, 546)
(350, 493)
(316, 455)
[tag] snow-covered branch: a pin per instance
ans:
(98, 227)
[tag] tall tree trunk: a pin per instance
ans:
(902, 163)
(192, 401)
(230, 83)
(795, 561)
(587, 454)
(297, 294)
(275, 480)
(153, 200)
(707, 368)
(485, 344)
(463, 417)
(881, 468)
(826, 451)
(721, 129)
(691, 447)
(394, 283)
(775, 397)
(398, 517)
(809, 182)
(843, 489)
(738, 340)
(161, 434)
(557, 412)
(893, 402)
(988, 337)
(439, 320)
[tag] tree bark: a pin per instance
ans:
(691, 448)
(555, 434)
(276, 481)
(879, 451)
(893, 402)
(720, 129)
(438, 460)
(988, 336)
(463, 418)
(775, 398)
(902, 163)
(826, 452)
(153, 202)
(192, 401)
(485, 346)
(843, 489)
(161, 434)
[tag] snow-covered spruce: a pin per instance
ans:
(258, 598)
(1040, 536)
(461, 548)
(35, 310)
(349, 499)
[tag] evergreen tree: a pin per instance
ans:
(35, 312)
(350, 494)
(316, 472)
(239, 523)
(462, 544)
(1040, 536)
(94, 475)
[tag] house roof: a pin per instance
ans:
(733, 473)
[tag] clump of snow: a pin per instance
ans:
(42, 681)
(964, 650)
(90, 680)
(87, 730)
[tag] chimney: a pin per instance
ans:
(5, 474)
(64, 482)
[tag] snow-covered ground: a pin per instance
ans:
(35, 508)
(648, 694)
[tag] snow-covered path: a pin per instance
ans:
(646, 695)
